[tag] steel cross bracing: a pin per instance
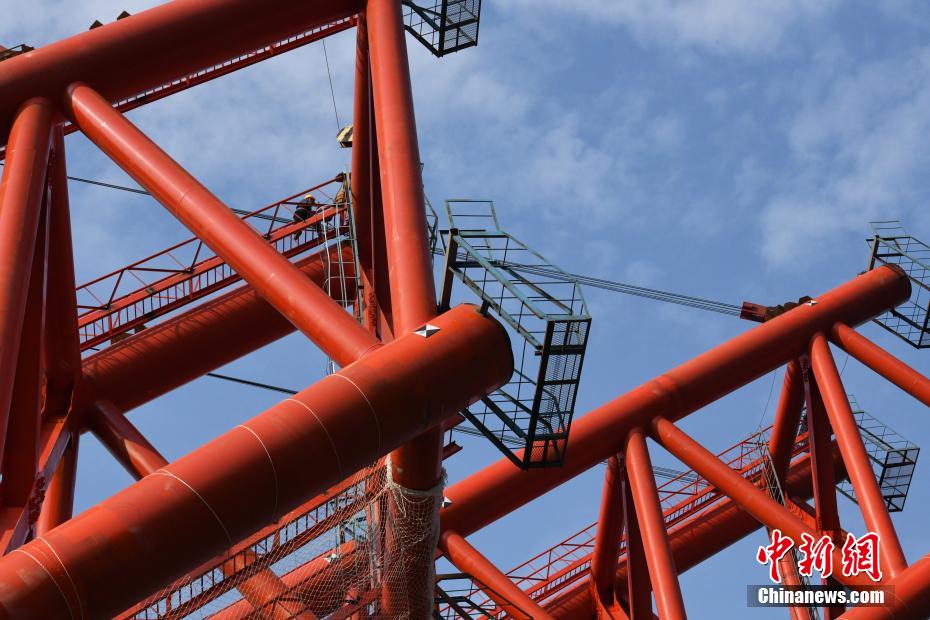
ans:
(405, 375)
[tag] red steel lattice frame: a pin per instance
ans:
(396, 389)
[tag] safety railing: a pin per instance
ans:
(682, 497)
(892, 245)
(128, 298)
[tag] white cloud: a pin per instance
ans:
(717, 26)
(858, 153)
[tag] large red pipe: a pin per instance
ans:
(154, 47)
(21, 456)
(787, 418)
(882, 362)
(493, 492)
(868, 494)
(105, 559)
(409, 262)
(910, 597)
(158, 360)
(303, 303)
(662, 573)
(496, 585)
(609, 530)
(417, 465)
(21, 193)
(62, 353)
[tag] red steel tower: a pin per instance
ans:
(332, 503)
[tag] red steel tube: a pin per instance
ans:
(495, 491)
(821, 447)
(787, 419)
(411, 271)
(910, 598)
(158, 360)
(868, 495)
(59, 497)
(417, 465)
(62, 353)
(662, 573)
(609, 530)
(304, 304)
(636, 578)
(154, 47)
(105, 559)
(882, 362)
(499, 587)
(21, 193)
(123, 440)
(696, 540)
(362, 153)
(21, 456)
(739, 489)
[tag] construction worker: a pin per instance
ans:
(306, 208)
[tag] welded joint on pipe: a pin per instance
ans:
(57, 586)
(274, 470)
(325, 430)
(374, 414)
(165, 472)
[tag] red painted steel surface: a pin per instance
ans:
(662, 572)
(396, 389)
(154, 47)
(162, 525)
(868, 494)
(22, 190)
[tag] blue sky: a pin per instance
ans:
(718, 148)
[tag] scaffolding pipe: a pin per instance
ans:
(868, 494)
(662, 573)
(500, 488)
(882, 362)
(106, 559)
(304, 304)
(495, 584)
(22, 189)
